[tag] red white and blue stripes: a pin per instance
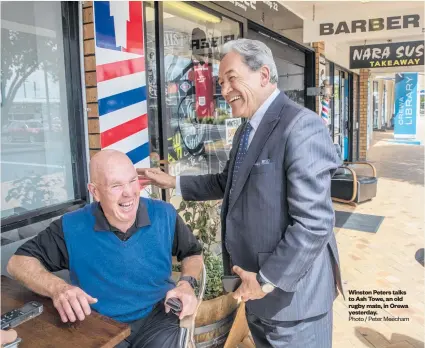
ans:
(121, 79)
(325, 110)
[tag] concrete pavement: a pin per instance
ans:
(386, 260)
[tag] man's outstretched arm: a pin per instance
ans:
(32, 266)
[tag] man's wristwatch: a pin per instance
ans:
(192, 281)
(265, 286)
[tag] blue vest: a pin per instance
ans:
(127, 277)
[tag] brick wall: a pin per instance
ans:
(90, 78)
(364, 77)
(355, 116)
(319, 48)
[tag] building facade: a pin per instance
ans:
(141, 77)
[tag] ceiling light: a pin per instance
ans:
(190, 12)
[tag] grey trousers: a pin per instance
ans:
(157, 330)
(313, 332)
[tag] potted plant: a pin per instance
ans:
(216, 313)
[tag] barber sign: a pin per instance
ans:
(371, 20)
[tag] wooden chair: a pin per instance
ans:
(239, 335)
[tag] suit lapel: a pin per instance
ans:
(267, 124)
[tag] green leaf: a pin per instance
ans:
(187, 215)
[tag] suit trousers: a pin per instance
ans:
(157, 330)
(313, 332)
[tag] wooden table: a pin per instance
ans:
(48, 331)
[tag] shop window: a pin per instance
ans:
(290, 64)
(40, 135)
(200, 126)
(291, 80)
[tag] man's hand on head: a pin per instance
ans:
(155, 176)
(185, 293)
(72, 303)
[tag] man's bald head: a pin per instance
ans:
(106, 161)
(115, 185)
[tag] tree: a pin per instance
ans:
(21, 55)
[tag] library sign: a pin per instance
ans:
(396, 54)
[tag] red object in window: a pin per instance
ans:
(203, 89)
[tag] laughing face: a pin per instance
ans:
(118, 191)
(245, 90)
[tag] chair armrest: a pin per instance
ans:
(354, 175)
(189, 322)
(364, 163)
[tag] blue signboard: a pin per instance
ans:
(406, 101)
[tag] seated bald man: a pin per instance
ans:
(118, 251)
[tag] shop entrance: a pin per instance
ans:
(290, 63)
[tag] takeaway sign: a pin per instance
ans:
(395, 54)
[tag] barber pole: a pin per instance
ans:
(325, 110)
(121, 79)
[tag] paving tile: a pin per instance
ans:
(404, 344)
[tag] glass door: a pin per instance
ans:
(341, 111)
(337, 108)
(375, 105)
(345, 114)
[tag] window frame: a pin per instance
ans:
(71, 42)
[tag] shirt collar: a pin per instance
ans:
(102, 223)
(261, 111)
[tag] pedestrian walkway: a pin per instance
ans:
(386, 260)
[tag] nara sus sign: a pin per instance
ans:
(387, 55)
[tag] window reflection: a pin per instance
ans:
(291, 80)
(36, 169)
(200, 123)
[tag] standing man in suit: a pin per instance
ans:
(277, 214)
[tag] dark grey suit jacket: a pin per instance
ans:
(281, 217)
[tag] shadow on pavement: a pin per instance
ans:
(376, 339)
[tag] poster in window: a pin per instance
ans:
(232, 125)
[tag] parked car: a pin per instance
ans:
(28, 131)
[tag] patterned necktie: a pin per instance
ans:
(243, 148)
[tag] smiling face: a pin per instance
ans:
(115, 185)
(245, 90)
